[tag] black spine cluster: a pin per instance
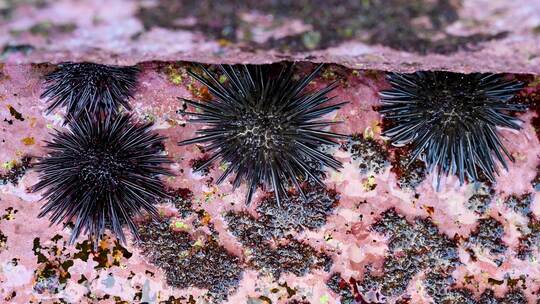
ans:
(450, 120)
(100, 173)
(265, 126)
(90, 87)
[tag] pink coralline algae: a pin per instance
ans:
(386, 227)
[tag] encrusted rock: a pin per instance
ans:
(370, 155)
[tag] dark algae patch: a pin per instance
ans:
(438, 287)
(210, 267)
(294, 214)
(481, 199)
(197, 162)
(292, 256)
(8, 215)
(392, 23)
(248, 230)
(488, 236)
(181, 199)
(161, 243)
(409, 174)
(15, 114)
(188, 262)
(530, 96)
(442, 290)
(536, 181)
(271, 248)
(520, 203)
(216, 19)
(371, 156)
(54, 260)
(529, 242)
(3, 241)
(16, 171)
(341, 287)
(413, 247)
(479, 203)
(419, 248)
(515, 296)
(53, 270)
(16, 48)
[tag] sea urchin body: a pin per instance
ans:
(90, 87)
(451, 120)
(264, 126)
(100, 173)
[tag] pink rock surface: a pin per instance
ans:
(464, 36)
(363, 39)
(114, 276)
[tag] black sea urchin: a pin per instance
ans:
(101, 172)
(264, 126)
(90, 87)
(451, 119)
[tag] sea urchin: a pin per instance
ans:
(90, 87)
(264, 127)
(101, 172)
(451, 120)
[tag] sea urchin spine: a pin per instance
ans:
(264, 126)
(451, 120)
(90, 87)
(100, 173)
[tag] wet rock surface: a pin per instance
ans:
(402, 241)
(496, 36)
